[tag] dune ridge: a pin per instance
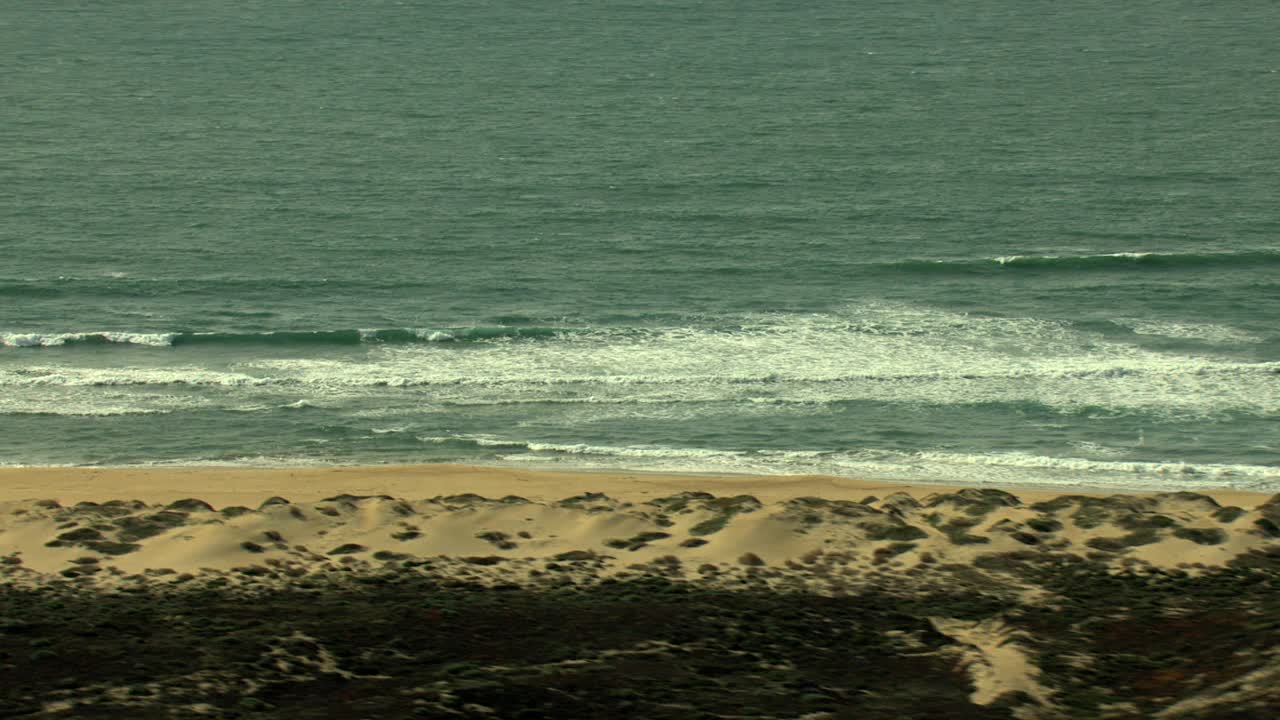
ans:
(511, 536)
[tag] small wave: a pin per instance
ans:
(27, 289)
(1098, 449)
(299, 405)
(532, 384)
(1098, 262)
(1031, 260)
(43, 340)
(473, 441)
(280, 337)
(88, 411)
(389, 430)
(635, 451)
(94, 377)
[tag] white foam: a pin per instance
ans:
(90, 403)
(30, 340)
(870, 352)
(249, 461)
(1180, 470)
(59, 339)
(1008, 468)
(151, 339)
(81, 410)
(87, 377)
(877, 352)
(1192, 331)
(1012, 259)
(299, 405)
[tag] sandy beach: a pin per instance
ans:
(250, 486)
(685, 594)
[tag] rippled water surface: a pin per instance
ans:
(996, 241)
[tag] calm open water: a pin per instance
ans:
(990, 241)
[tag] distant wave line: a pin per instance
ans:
(127, 286)
(1100, 262)
(278, 337)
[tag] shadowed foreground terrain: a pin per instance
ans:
(388, 645)
(1060, 619)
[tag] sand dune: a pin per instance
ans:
(513, 536)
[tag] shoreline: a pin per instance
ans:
(222, 485)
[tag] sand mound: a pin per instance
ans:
(684, 534)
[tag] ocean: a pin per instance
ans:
(1009, 242)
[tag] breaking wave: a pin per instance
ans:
(881, 353)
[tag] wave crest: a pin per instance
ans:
(46, 340)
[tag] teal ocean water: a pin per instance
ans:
(992, 241)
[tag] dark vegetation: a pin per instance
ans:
(400, 644)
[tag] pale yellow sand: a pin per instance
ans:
(417, 500)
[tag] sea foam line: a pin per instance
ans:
(947, 467)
